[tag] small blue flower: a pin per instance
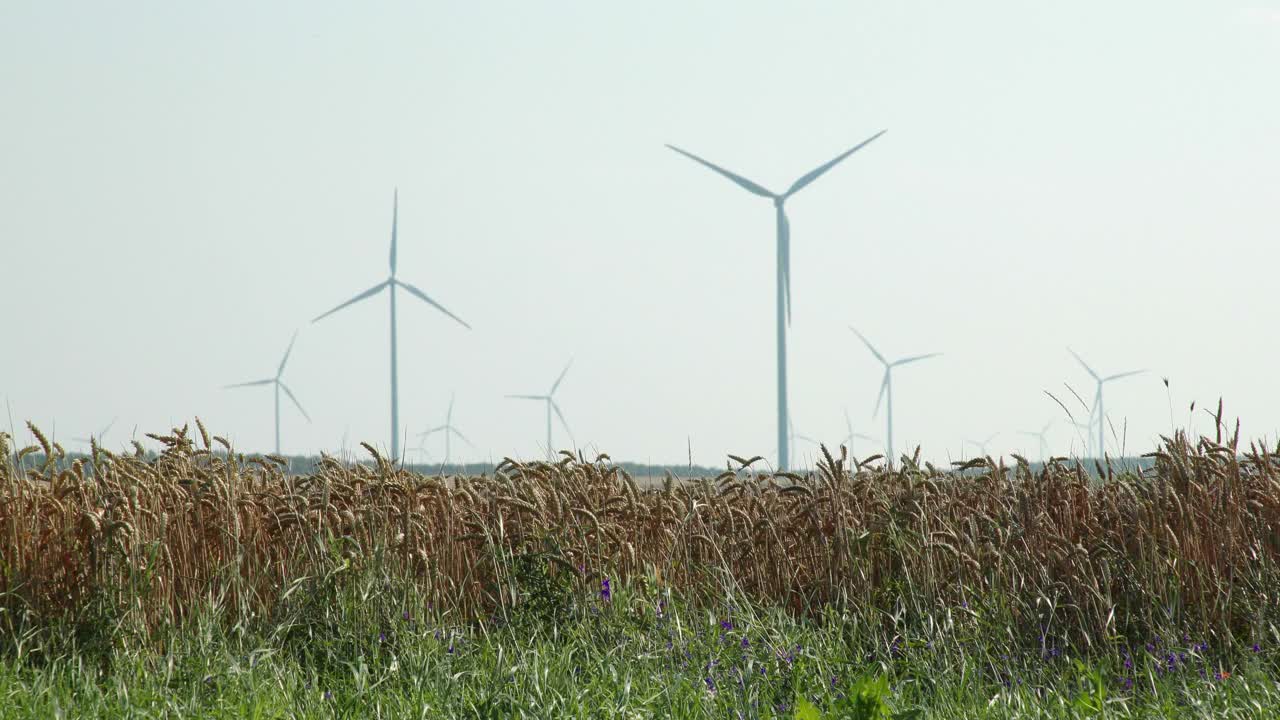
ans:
(606, 591)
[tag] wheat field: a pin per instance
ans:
(1193, 542)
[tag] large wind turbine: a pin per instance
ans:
(279, 385)
(784, 265)
(449, 431)
(1098, 412)
(390, 284)
(1041, 435)
(550, 401)
(886, 386)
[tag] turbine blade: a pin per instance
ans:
(268, 381)
(448, 415)
(432, 431)
(870, 347)
(1117, 376)
(556, 384)
(784, 256)
(742, 182)
(822, 169)
(371, 291)
(528, 397)
(868, 438)
(884, 387)
(563, 423)
(1084, 364)
(423, 296)
(296, 404)
(914, 358)
(395, 218)
(461, 437)
(848, 424)
(285, 359)
(107, 429)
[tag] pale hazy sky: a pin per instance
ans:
(182, 185)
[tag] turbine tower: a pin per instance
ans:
(550, 401)
(784, 266)
(449, 431)
(279, 385)
(1098, 413)
(886, 386)
(1041, 435)
(390, 284)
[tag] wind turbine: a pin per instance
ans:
(390, 284)
(851, 435)
(1041, 435)
(982, 444)
(886, 385)
(550, 401)
(101, 433)
(449, 431)
(794, 436)
(279, 385)
(784, 265)
(1099, 412)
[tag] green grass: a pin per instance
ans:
(354, 651)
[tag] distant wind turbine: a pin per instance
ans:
(101, 433)
(1098, 413)
(850, 435)
(390, 284)
(449, 431)
(794, 436)
(550, 401)
(982, 444)
(279, 385)
(1041, 435)
(784, 265)
(886, 386)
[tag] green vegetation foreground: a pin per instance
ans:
(197, 581)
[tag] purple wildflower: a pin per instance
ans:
(606, 591)
(726, 625)
(1257, 648)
